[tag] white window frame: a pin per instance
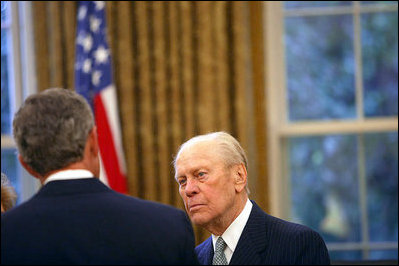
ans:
(22, 76)
(280, 130)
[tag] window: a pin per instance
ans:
(16, 83)
(332, 92)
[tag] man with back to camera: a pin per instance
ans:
(74, 218)
(211, 171)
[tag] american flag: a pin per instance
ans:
(93, 80)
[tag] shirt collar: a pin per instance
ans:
(68, 175)
(234, 231)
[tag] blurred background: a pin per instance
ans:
(310, 89)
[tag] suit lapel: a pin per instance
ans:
(252, 241)
(209, 253)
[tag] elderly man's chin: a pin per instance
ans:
(199, 218)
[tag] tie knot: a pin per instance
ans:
(220, 245)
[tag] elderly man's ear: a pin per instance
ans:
(240, 175)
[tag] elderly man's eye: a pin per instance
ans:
(201, 174)
(181, 181)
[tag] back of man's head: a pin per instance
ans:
(51, 129)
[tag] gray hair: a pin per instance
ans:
(51, 129)
(230, 149)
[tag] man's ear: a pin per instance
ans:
(240, 175)
(93, 142)
(28, 168)
(91, 153)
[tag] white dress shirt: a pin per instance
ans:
(68, 175)
(234, 231)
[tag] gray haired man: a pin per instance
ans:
(75, 218)
(211, 171)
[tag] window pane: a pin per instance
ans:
(345, 255)
(380, 63)
(10, 167)
(320, 67)
(5, 100)
(381, 152)
(324, 186)
(302, 4)
(384, 254)
(378, 2)
(4, 6)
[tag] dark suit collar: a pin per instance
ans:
(253, 239)
(74, 186)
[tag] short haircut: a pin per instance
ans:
(230, 149)
(51, 129)
(8, 194)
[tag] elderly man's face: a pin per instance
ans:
(206, 185)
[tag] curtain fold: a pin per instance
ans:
(181, 68)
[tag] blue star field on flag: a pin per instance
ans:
(93, 71)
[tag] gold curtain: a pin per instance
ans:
(181, 68)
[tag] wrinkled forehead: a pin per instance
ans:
(196, 149)
(196, 154)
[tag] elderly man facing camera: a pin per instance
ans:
(211, 171)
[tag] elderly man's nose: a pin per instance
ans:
(191, 187)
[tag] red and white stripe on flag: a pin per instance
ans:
(93, 80)
(113, 170)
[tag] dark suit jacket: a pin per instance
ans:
(269, 240)
(84, 222)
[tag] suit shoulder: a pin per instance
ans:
(165, 214)
(20, 212)
(258, 217)
(287, 227)
(160, 208)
